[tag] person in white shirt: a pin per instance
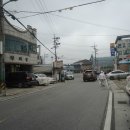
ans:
(102, 78)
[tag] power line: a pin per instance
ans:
(59, 10)
(86, 22)
(14, 18)
(80, 21)
(48, 19)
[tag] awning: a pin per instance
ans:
(127, 61)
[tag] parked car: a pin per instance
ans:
(117, 74)
(69, 75)
(52, 80)
(20, 79)
(127, 87)
(89, 75)
(42, 79)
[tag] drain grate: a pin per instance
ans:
(122, 102)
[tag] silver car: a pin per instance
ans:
(117, 74)
(127, 87)
(69, 75)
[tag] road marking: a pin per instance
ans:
(107, 124)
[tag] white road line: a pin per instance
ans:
(107, 124)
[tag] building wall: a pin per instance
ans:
(18, 32)
(124, 67)
(123, 48)
(19, 57)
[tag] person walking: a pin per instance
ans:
(102, 79)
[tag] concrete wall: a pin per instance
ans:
(18, 32)
(17, 58)
(20, 59)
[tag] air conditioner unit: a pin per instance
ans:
(1, 47)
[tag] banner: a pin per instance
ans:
(112, 49)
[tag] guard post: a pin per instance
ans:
(2, 89)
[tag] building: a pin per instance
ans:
(44, 68)
(123, 52)
(123, 46)
(19, 48)
(81, 65)
(68, 67)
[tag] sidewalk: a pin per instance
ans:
(121, 106)
(16, 92)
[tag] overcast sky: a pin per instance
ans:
(79, 28)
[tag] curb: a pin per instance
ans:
(107, 124)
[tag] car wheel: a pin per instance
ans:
(111, 78)
(38, 84)
(25, 85)
(84, 80)
(20, 85)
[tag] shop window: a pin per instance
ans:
(16, 45)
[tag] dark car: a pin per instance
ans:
(20, 79)
(89, 75)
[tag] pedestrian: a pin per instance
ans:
(102, 79)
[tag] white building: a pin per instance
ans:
(19, 48)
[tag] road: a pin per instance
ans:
(73, 105)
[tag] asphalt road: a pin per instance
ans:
(73, 105)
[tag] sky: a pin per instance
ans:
(79, 28)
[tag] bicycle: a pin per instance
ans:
(102, 82)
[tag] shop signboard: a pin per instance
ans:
(112, 49)
(58, 64)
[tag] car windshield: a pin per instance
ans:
(69, 73)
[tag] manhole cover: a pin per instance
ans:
(122, 102)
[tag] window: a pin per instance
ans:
(124, 45)
(128, 51)
(128, 44)
(119, 46)
(16, 45)
(124, 52)
(120, 52)
(32, 48)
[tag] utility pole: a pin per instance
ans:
(2, 42)
(56, 45)
(95, 52)
(2, 48)
(2, 65)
